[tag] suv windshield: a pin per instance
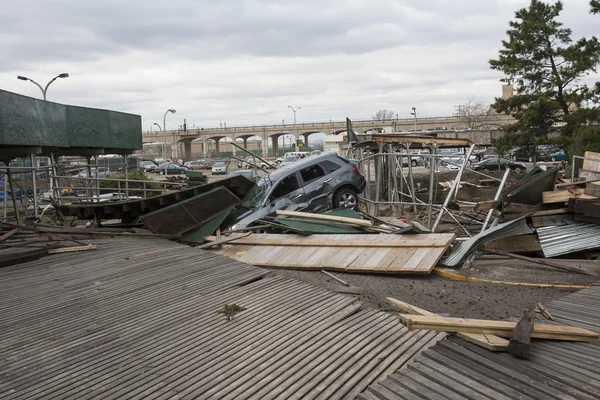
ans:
(257, 194)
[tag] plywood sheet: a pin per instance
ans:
(392, 254)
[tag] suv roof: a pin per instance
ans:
(303, 162)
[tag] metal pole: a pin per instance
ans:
(34, 185)
(496, 197)
(97, 181)
(453, 188)
(431, 183)
(126, 176)
(411, 181)
(378, 177)
(12, 195)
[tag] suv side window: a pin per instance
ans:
(285, 187)
(311, 173)
(330, 166)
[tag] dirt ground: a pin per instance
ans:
(456, 298)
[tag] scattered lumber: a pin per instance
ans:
(9, 234)
(520, 339)
(500, 328)
(562, 185)
(363, 253)
(351, 221)
(489, 342)
(563, 196)
(72, 249)
(222, 241)
(545, 312)
(343, 282)
(541, 262)
(592, 189)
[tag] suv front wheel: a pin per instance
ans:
(345, 198)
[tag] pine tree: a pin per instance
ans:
(546, 66)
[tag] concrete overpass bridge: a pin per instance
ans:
(181, 141)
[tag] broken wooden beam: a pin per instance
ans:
(500, 328)
(72, 249)
(545, 312)
(540, 261)
(352, 221)
(489, 342)
(520, 339)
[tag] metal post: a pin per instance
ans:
(431, 183)
(453, 188)
(34, 185)
(12, 195)
(126, 176)
(96, 180)
(53, 179)
(411, 181)
(496, 197)
(378, 177)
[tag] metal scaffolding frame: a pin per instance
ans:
(386, 162)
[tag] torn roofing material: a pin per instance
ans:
(512, 228)
(559, 240)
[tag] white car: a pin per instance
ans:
(219, 168)
(287, 160)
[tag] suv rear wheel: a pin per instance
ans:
(345, 198)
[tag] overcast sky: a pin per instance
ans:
(243, 62)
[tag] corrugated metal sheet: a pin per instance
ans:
(559, 240)
(455, 369)
(515, 227)
(137, 318)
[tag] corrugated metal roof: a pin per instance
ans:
(137, 318)
(515, 227)
(456, 369)
(559, 240)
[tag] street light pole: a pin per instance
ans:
(294, 110)
(163, 137)
(43, 89)
(172, 111)
(414, 112)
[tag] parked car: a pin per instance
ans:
(529, 154)
(300, 154)
(170, 169)
(197, 164)
(558, 155)
(454, 158)
(288, 160)
(498, 164)
(146, 166)
(101, 172)
(220, 168)
(314, 184)
(253, 174)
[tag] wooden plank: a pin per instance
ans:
(545, 312)
(541, 261)
(352, 221)
(489, 342)
(500, 328)
(72, 249)
(592, 189)
(589, 165)
(223, 241)
(562, 185)
(484, 205)
(520, 339)
(550, 212)
(9, 234)
(311, 241)
(562, 196)
(515, 244)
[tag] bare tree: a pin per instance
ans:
(473, 114)
(384, 115)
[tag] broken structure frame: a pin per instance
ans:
(395, 188)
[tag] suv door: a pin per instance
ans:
(318, 184)
(288, 194)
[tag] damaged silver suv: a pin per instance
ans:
(314, 184)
